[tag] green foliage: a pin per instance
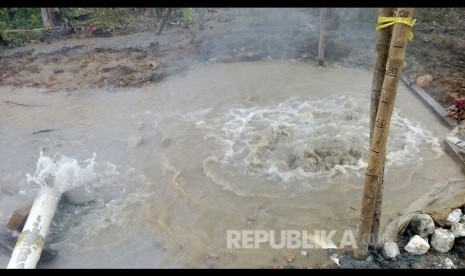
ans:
(111, 18)
(21, 18)
(3, 28)
(18, 18)
(73, 13)
(186, 15)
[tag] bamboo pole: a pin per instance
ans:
(381, 129)
(383, 40)
(163, 20)
(321, 43)
(30, 242)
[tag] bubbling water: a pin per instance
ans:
(303, 143)
(63, 173)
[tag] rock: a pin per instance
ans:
(458, 229)
(424, 81)
(454, 216)
(422, 225)
(135, 141)
(304, 253)
(80, 195)
(442, 240)
(390, 250)
(448, 263)
(417, 245)
(18, 217)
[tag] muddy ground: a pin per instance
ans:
(242, 35)
(233, 35)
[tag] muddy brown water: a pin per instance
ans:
(239, 146)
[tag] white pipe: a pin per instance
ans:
(31, 241)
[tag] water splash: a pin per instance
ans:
(305, 141)
(63, 173)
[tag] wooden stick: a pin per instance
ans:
(381, 129)
(383, 40)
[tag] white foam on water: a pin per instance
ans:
(63, 173)
(303, 142)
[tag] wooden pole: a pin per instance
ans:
(383, 40)
(31, 241)
(321, 43)
(381, 129)
(163, 20)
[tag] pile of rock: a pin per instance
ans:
(425, 235)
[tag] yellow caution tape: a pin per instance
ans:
(386, 21)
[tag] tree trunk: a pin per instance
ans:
(163, 20)
(321, 44)
(383, 39)
(381, 129)
(48, 19)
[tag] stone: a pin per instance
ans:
(447, 263)
(135, 141)
(390, 250)
(422, 225)
(424, 81)
(454, 216)
(458, 229)
(442, 240)
(417, 245)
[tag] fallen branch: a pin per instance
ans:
(45, 130)
(20, 104)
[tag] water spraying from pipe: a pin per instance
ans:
(55, 176)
